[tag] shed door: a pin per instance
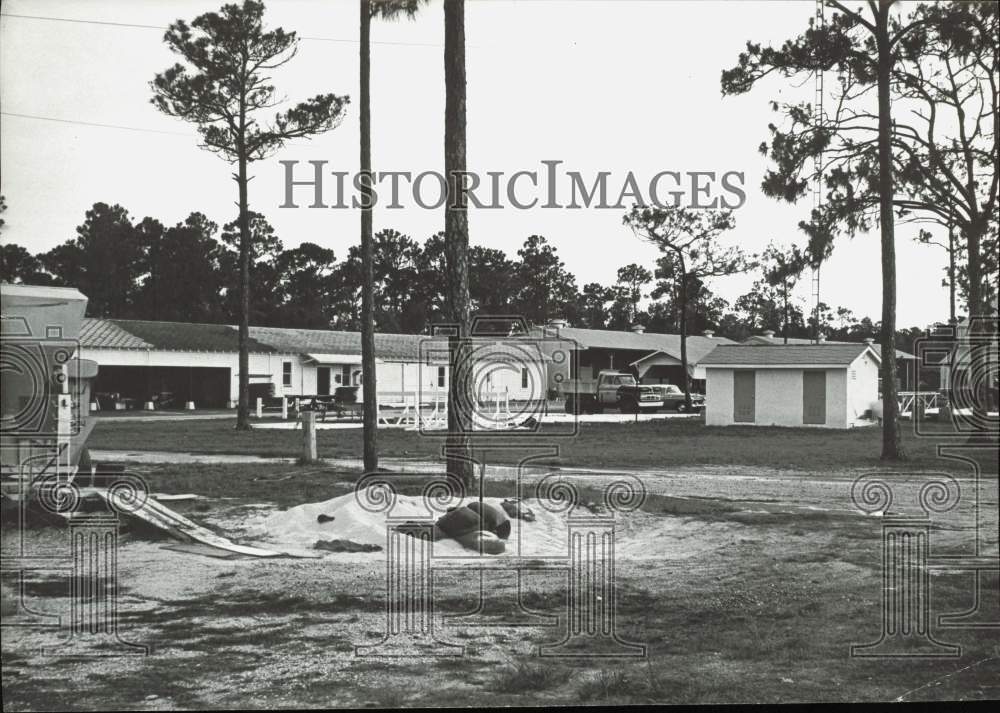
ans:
(323, 381)
(814, 397)
(744, 388)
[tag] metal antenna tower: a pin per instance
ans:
(818, 118)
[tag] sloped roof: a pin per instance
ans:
(165, 336)
(805, 355)
(763, 339)
(393, 347)
(106, 334)
(697, 346)
(181, 336)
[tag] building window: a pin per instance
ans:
(286, 373)
(524, 377)
(440, 376)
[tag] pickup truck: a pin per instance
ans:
(673, 398)
(613, 389)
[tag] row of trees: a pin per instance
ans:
(189, 273)
(938, 62)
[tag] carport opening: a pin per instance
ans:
(168, 387)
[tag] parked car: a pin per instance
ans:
(673, 398)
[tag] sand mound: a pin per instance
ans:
(301, 526)
(639, 535)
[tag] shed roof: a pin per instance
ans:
(805, 355)
(758, 339)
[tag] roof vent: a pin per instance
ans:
(709, 333)
(638, 328)
(769, 333)
(558, 323)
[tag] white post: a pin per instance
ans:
(284, 409)
(260, 407)
(309, 437)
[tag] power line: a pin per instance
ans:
(157, 27)
(82, 22)
(94, 123)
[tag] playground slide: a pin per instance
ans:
(163, 518)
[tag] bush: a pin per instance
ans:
(606, 685)
(525, 677)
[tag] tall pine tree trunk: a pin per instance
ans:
(892, 448)
(456, 227)
(981, 334)
(368, 381)
(784, 323)
(243, 404)
(684, 339)
(951, 274)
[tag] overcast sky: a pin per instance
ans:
(599, 85)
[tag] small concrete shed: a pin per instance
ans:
(815, 385)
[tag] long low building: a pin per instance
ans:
(142, 361)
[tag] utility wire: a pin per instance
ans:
(153, 27)
(157, 27)
(94, 123)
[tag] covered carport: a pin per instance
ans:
(165, 386)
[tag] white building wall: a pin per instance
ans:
(719, 397)
(392, 377)
(778, 397)
(520, 381)
(862, 388)
(395, 378)
(270, 364)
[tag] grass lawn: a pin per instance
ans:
(768, 614)
(646, 444)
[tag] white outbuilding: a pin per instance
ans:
(813, 386)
